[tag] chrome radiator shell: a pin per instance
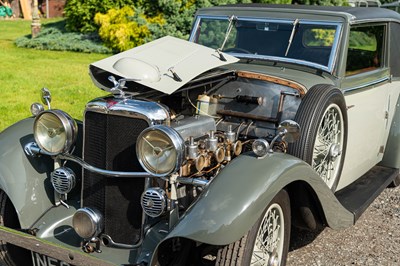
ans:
(111, 128)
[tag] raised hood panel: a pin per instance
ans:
(165, 64)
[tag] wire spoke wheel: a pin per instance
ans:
(329, 145)
(267, 242)
(322, 116)
(268, 248)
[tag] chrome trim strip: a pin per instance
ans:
(91, 168)
(354, 22)
(152, 112)
(283, 60)
(335, 48)
(332, 58)
(365, 85)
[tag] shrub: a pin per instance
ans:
(125, 28)
(80, 13)
(54, 37)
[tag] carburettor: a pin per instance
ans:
(206, 149)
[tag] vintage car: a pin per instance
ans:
(208, 151)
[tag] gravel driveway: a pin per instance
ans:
(373, 240)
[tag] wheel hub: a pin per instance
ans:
(273, 259)
(334, 152)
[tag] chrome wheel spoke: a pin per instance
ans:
(328, 145)
(270, 236)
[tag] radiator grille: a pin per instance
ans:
(110, 144)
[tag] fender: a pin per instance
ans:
(236, 198)
(391, 158)
(26, 180)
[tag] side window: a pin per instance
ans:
(365, 49)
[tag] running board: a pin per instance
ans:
(359, 195)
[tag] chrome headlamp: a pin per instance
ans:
(160, 150)
(87, 223)
(260, 147)
(55, 131)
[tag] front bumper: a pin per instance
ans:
(49, 249)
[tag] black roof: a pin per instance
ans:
(359, 13)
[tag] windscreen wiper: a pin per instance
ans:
(294, 30)
(232, 22)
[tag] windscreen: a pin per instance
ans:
(298, 41)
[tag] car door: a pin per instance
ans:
(366, 88)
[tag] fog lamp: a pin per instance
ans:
(160, 150)
(87, 222)
(55, 131)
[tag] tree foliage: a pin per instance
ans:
(80, 13)
(125, 28)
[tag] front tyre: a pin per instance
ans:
(267, 242)
(11, 255)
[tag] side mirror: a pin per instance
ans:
(46, 97)
(289, 130)
(36, 108)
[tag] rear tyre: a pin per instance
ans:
(267, 242)
(11, 255)
(322, 116)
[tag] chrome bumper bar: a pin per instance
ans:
(50, 249)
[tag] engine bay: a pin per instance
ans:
(218, 119)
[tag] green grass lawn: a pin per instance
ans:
(23, 72)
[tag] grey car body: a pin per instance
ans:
(224, 114)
